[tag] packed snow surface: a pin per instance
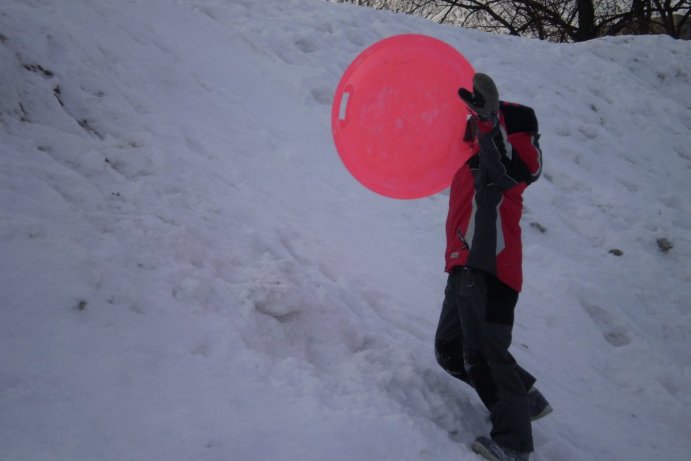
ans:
(190, 273)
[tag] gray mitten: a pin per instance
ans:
(484, 100)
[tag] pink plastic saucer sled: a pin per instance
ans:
(397, 120)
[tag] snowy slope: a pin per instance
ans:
(189, 273)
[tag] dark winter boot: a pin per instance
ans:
(539, 406)
(493, 452)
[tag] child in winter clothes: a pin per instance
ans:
(483, 259)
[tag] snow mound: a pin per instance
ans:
(190, 273)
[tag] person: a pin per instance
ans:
(483, 259)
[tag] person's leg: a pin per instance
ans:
(501, 303)
(448, 341)
(464, 290)
(510, 415)
(471, 291)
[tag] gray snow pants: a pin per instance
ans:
(472, 344)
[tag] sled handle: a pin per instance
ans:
(343, 105)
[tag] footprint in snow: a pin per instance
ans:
(616, 335)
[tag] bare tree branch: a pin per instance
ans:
(555, 20)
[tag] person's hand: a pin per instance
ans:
(483, 101)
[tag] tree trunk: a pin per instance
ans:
(586, 21)
(641, 22)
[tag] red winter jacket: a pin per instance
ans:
(486, 201)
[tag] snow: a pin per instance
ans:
(189, 272)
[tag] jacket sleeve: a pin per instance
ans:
(522, 164)
(494, 162)
(526, 146)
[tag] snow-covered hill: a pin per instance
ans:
(189, 272)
